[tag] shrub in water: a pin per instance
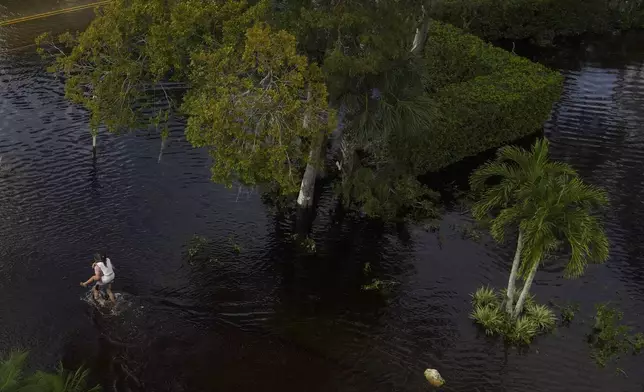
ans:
(522, 330)
(568, 313)
(541, 315)
(485, 296)
(610, 339)
(490, 317)
(490, 314)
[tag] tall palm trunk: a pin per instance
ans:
(526, 289)
(513, 275)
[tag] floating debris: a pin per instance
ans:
(434, 377)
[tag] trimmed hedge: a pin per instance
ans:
(481, 97)
(541, 20)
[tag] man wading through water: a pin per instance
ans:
(103, 276)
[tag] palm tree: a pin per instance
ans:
(12, 380)
(551, 206)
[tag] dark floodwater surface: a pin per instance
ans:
(272, 317)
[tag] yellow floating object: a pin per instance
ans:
(434, 377)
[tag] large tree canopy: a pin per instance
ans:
(257, 112)
(117, 66)
(253, 78)
(259, 84)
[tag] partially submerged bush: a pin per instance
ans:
(489, 313)
(491, 318)
(543, 317)
(379, 285)
(485, 296)
(568, 313)
(609, 338)
(196, 246)
(522, 330)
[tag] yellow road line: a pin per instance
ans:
(52, 13)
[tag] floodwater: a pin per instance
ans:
(270, 316)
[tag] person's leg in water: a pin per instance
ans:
(95, 292)
(111, 294)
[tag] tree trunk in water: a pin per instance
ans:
(526, 289)
(163, 139)
(513, 275)
(307, 187)
(420, 37)
(94, 145)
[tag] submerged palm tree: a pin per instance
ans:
(13, 380)
(551, 206)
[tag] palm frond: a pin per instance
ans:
(61, 381)
(516, 156)
(507, 217)
(11, 371)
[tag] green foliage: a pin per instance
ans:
(11, 371)
(609, 338)
(523, 330)
(491, 318)
(12, 379)
(542, 316)
(116, 66)
(383, 194)
(568, 313)
(259, 84)
(481, 97)
(309, 244)
(196, 245)
(354, 40)
(485, 296)
(380, 285)
(541, 20)
(489, 313)
(548, 202)
(251, 99)
(377, 176)
(470, 232)
(258, 113)
(234, 245)
(462, 97)
(638, 342)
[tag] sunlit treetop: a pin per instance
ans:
(257, 106)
